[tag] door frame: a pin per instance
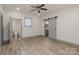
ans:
(55, 17)
(44, 27)
(11, 19)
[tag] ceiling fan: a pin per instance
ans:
(39, 8)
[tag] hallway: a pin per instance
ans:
(38, 46)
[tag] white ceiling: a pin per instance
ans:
(26, 8)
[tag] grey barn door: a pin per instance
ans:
(52, 28)
(0, 29)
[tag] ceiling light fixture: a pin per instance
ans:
(38, 14)
(46, 22)
(17, 8)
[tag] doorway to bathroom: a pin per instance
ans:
(15, 28)
(50, 27)
(46, 31)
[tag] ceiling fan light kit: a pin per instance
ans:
(38, 14)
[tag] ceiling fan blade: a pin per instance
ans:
(34, 6)
(33, 10)
(43, 8)
(41, 5)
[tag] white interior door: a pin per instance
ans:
(52, 28)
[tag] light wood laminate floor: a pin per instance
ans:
(38, 46)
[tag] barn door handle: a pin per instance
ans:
(55, 28)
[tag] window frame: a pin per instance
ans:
(25, 25)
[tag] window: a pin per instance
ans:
(28, 22)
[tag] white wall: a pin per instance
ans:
(36, 29)
(1, 9)
(67, 24)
